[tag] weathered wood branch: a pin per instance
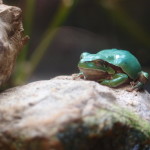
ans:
(12, 39)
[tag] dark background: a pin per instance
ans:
(91, 25)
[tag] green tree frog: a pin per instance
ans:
(112, 67)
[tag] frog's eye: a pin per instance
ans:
(97, 62)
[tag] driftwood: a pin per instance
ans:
(12, 39)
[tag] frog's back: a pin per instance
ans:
(123, 59)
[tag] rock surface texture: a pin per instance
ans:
(67, 114)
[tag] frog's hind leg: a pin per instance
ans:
(117, 80)
(142, 79)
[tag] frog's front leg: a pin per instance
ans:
(117, 79)
(81, 75)
(78, 76)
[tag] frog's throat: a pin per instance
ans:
(93, 74)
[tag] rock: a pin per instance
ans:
(67, 114)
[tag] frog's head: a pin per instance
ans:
(91, 61)
(91, 66)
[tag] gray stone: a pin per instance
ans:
(63, 113)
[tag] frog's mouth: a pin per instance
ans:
(93, 74)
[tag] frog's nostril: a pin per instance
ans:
(81, 57)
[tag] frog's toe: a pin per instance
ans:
(130, 89)
(136, 86)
